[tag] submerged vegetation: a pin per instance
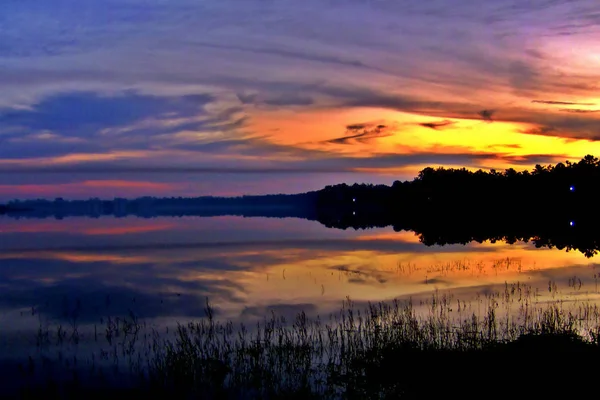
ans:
(503, 343)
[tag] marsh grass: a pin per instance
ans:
(502, 342)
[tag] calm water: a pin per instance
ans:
(80, 271)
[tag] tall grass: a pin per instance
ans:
(381, 350)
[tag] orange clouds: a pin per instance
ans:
(506, 143)
(88, 188)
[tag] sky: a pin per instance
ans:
(193, 97)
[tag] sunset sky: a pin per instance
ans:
(194, 97)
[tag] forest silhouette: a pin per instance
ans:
(552, 206)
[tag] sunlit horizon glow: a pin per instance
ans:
(217, 92)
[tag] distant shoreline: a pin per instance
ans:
(298, 206)
(552, 206)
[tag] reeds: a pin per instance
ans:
(371, 351)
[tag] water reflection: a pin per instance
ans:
(164, 269)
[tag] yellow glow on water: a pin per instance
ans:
(371, 265)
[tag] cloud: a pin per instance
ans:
(523, 77)
(436, 125)
(282, 99)
(80, 114)
(301, 55)
(576, 126)
(361, 133)
(91, 123)
(486, 114)
(289, 100)
(309, 161)
(561, 103)
(508, 146)
(364, 97)
(541, 130)
(531, 159)
(578, 110)
(89, 188)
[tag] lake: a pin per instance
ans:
(78, 272)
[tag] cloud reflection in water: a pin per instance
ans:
(164, 269)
